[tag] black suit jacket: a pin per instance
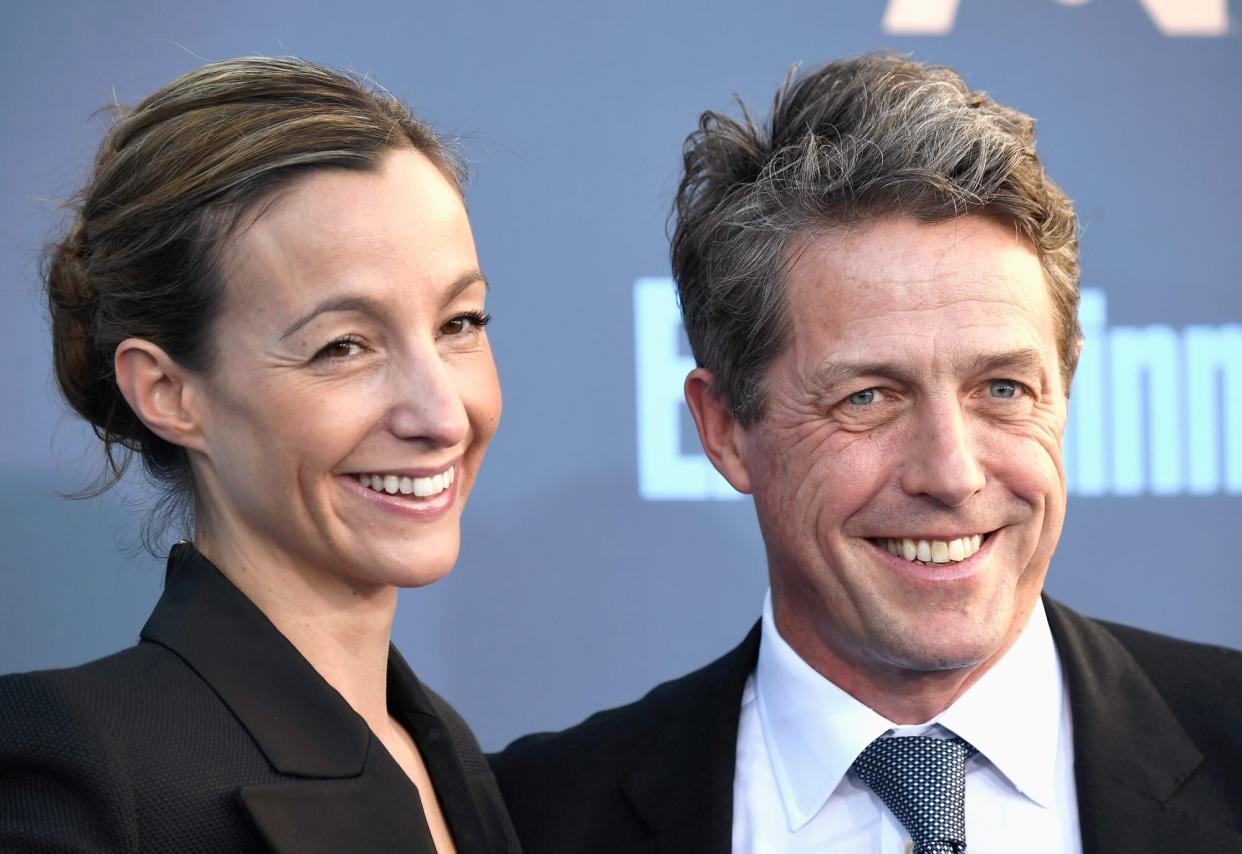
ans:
(1157, 745)
(214, 734)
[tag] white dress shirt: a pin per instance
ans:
(799, 734)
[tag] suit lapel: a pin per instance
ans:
(1131, 755)
(682, 785)
(302, 725)
(350, 795)
(460, 793)
(333, 815)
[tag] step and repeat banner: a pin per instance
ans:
(601, 551)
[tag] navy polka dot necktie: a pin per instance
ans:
(923, 781)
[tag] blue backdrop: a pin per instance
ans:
(599, 557)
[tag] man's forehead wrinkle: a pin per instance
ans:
(918, 290)
(826, 267)
(836, 371)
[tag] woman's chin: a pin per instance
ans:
(409, 565)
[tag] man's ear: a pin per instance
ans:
(162, 393)
(722, 437)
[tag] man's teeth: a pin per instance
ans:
(932, 551)
(419, 487)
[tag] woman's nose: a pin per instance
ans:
(426, 402)
(942, 458)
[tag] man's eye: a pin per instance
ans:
(342, 348)
(471, 320)
(1004, 389)
(862, 398)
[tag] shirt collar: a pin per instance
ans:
(814, 731)
(1013, 714)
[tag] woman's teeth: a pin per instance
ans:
(932, 551)
(419, 487)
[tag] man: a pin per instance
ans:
(881, 289)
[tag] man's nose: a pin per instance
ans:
(426, 402)
(942, 458)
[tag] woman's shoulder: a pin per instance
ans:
(130, 684)
(110, 719)
(45, 699)
(134, 745)
(144, 703)
(65, 774)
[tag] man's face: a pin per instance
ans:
(917, 409)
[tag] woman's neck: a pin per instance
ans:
(341, 627)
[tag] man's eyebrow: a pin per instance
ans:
(369, 305)
(1028, 360)
(829, 374)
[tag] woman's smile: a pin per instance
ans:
(405, 493)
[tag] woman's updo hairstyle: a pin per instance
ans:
(173, 178)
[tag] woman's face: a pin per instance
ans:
(353, 390)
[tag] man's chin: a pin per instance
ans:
(928, 661)
(930, 653)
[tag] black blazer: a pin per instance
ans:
(1157, 746)
(214, 734)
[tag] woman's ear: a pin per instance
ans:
(722, 437)
(162, 393)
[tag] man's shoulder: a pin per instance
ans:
(1201, 684)
(618, 734)
(1173, 664)
(1168, 655)
(572, 784)
(1157, 736)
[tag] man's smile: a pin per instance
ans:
(932, 551)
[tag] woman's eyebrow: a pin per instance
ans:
(347, 302)
(372, 306)
(462, 282)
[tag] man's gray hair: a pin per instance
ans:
(872, 136)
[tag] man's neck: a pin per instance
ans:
(900, 694)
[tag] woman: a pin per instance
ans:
(270, 296)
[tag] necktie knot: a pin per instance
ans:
(923, 781)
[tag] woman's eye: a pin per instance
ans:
(342, 348)
(1003, 389)
(862, 398)
(462, 323)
